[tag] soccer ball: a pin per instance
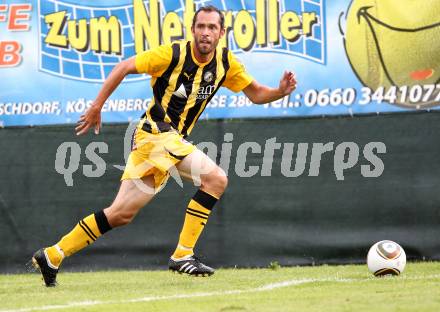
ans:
(386, 258)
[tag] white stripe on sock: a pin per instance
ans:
(48, 261)
(58, 248)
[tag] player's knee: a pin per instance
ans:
(222, 179)
(217, 181)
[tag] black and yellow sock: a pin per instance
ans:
(196, 217)
(83, 234)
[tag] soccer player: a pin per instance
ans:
(185, 76)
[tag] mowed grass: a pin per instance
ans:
(322, 288)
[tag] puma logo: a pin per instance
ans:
(188, 76)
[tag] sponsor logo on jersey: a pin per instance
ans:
(205, 92)
(181, 92)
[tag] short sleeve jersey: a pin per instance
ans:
(182, 86)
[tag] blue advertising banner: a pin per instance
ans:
(350, 57)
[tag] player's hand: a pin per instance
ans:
(91, 118)
(287, 83)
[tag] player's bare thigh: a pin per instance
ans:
(203, 171)
(133, 194)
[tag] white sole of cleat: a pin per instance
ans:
(195, 275)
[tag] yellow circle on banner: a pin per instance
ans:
(396, 43)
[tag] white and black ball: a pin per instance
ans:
(386, 258)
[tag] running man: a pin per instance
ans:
(185, 76)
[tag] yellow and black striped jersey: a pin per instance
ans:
(182, 86)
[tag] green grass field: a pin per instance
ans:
(322, 288)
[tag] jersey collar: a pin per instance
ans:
(194, 58)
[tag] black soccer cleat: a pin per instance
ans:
(39, 261)
(190, 266)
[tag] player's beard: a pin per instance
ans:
(206, 48)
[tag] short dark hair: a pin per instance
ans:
(210, 8)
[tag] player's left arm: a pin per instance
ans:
(261, 94)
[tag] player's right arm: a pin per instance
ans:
(153, 62)
(92, 117)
